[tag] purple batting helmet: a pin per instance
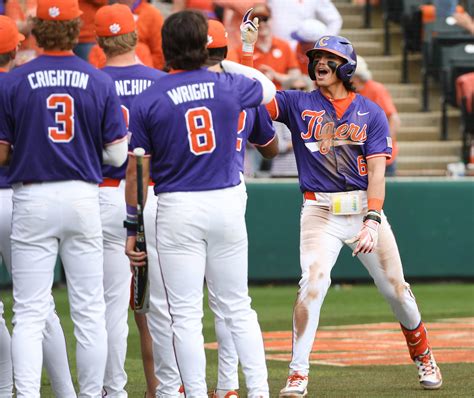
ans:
(339, 46)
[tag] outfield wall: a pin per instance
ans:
(433, 220)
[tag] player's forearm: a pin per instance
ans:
(4, 154)
(394, 125)
(269, 89)
(115, 154)
(376, 185)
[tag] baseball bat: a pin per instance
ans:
(141, 286)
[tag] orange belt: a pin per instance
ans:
(113, 182)
(110, 182)
(309, 195)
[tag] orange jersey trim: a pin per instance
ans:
(341, 104)
(59, 53)
(379, 155)
(264, 145)
(272, 108)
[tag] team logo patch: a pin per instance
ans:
(54, 12)
(209, 39)
(322, 41)
(115, 28)
(277, 53)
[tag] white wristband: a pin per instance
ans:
(247, 48)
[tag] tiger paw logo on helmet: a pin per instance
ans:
(115, 28)
(54, 12)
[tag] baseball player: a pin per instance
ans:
(116, 31)
(55, 169)
(54, 343)
(188, 127)
(341, 141)
(255, 126)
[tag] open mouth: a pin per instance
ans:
(322, 72)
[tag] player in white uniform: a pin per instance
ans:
(255, 126)
(200, 218)
(54, 344)
(116, 31)
(55, 168)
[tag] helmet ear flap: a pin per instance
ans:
(311, 66)
(346, 71)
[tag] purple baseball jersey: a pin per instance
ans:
(331, 153)
(3, 170)
(58, 112)
(256, 127)
(129, 82)
(188, 124)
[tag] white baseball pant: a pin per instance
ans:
(54, 343)
(228, 359)
(204, 234)
(159, 318)
(322, 237)
(50, 219)
(117, 279)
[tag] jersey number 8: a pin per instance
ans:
(63, 104)
(200, 128)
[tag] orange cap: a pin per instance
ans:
(9, 35)
(58, 10)
(216, 34)
(114, 20)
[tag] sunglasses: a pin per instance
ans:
(262, 18)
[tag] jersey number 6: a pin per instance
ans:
(200, 130)
(63, 104)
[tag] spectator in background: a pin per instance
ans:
(149, 22)
(87, 34)
(234, 10)
(20, 12)
(377, 93)
(465, 21)
(308, 33)
(206, 6)
(272, 56)
(289, 14)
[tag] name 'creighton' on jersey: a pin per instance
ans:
(190, 152)
(331, 153)
(127, 88)
(66, 111)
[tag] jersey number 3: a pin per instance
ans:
(63, 105)
(201, 135)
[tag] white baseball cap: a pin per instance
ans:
(362, 69)
(309, 31)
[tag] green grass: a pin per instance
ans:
(344, 305)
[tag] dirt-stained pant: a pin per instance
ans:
(322, 237)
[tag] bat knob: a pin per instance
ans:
(139, 152)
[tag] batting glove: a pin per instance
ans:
(368, 235)
(248, 31)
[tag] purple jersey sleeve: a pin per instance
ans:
(378, 136)
(281, 100)
(250, 92)
(139, 137)
(113, 124)
(262, 130)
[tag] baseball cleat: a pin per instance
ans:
(428, 371)
(225, 394)
(296, 386)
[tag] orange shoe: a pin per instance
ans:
(225, 394)
(296, 386)
(428, 371)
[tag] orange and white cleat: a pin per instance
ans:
(428, 371)
(225, 394)
(296, 386)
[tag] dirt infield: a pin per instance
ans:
(376, 344)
